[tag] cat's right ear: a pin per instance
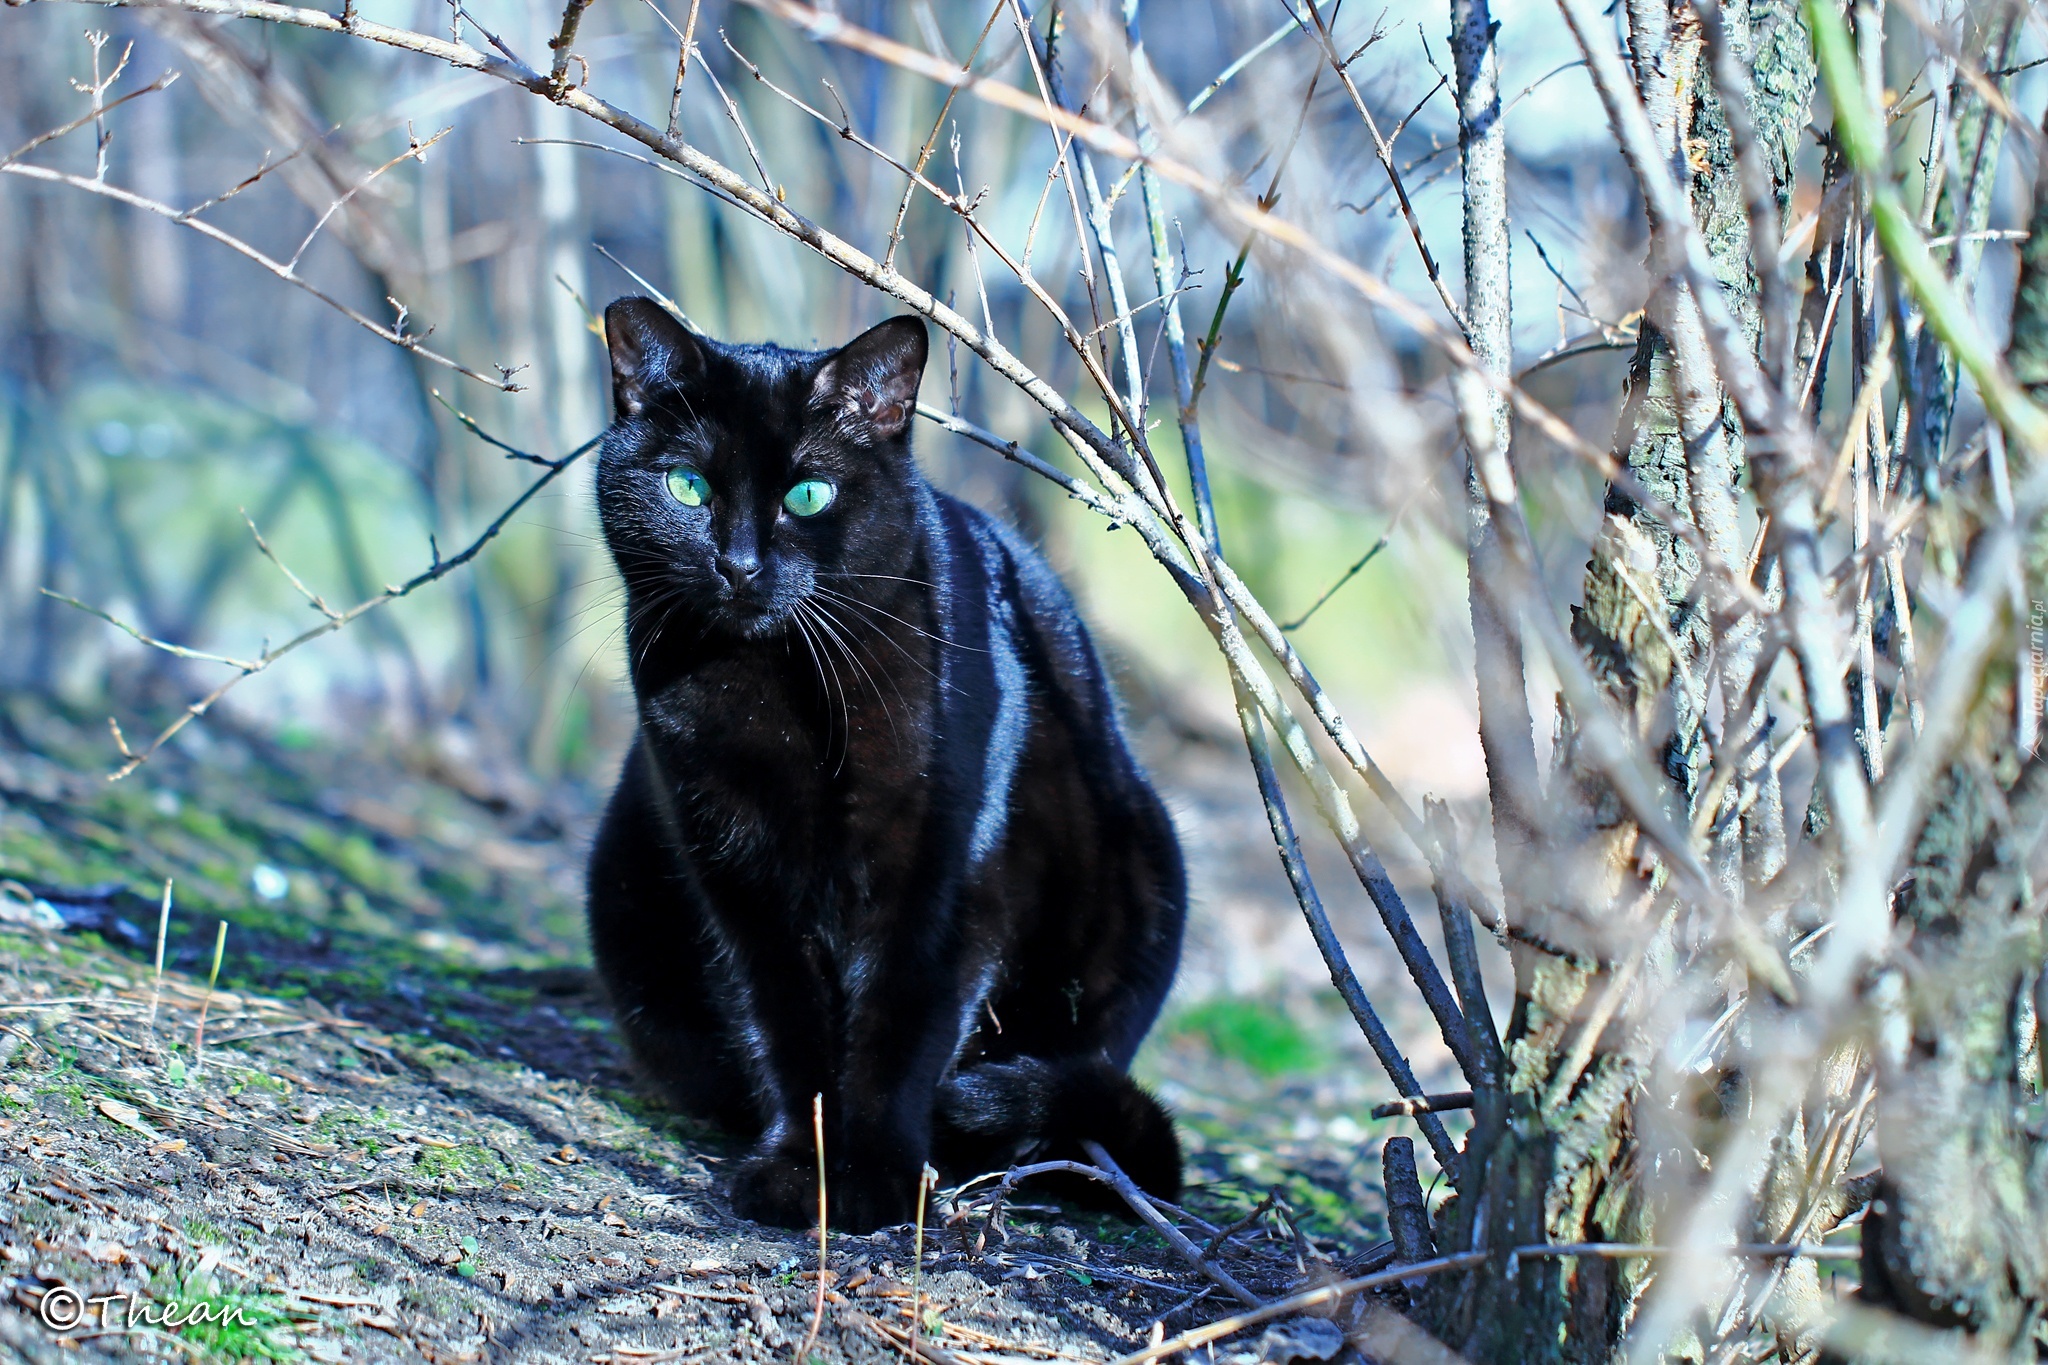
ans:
(650, 350)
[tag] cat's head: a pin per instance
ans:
(737, 481)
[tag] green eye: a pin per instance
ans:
(809, 498)
(687, 487)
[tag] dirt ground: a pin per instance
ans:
(399, 1128)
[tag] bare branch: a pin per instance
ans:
(245, 669)
(395, 333)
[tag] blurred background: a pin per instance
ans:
(156, 386)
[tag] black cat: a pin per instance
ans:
(881, 837)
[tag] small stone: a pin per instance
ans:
(1301, 1339)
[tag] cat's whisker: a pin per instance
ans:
(659, 604)
(865, 605)
(825, 615)
(831, 630)
(845, 709)
(817, 665)
(894, 643)
(882, 577)
(803, 631)
(869, 607)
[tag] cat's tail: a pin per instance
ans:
(1039, 1109)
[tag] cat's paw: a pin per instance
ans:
(869, 1198)
(770, 1187)
(780, 1190)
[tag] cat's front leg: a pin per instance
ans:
(878, 1118)
(903, 1031)
(877, 1127)
(873, 1164)
(868, 1185)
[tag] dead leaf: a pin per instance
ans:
(128, 1116)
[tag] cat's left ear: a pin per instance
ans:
(649, 349)
(872, 380)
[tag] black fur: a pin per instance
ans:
(881, 837)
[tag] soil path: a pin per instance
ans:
(406, 1132)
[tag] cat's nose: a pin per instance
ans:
(739, 570)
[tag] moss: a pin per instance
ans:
(467, 1160)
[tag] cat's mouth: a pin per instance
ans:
(753, 618)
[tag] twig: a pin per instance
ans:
(1377, 1035)
(688, 40)
(220, 943)
(927, 1181)
(1386, 539)
(1011, 450)
(1174, 331)
(653, 292)
(1113, 1176)
(163, 929)
(415, 151)
(162, 82)
(97, 90)
(931, 141)
(1407, 1206)
(1423, 1104)
(1224, 1234)
(395, 334)
(1383, 148)
(319, 603)
(564, 39)
(1344, 1289)
(246, 668)
(818, 1136)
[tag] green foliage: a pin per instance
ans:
(219, 1324)
(1255, 1032)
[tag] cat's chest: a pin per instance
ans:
(770, 773)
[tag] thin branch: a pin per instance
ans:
(394, 334)
(924, 153)
(335, 620)
(563, 41)
(415, 151)
(162, 82)
(1377, 1036)
(1383, 148)
(687, 40)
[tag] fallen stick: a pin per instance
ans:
(1113, 1176)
